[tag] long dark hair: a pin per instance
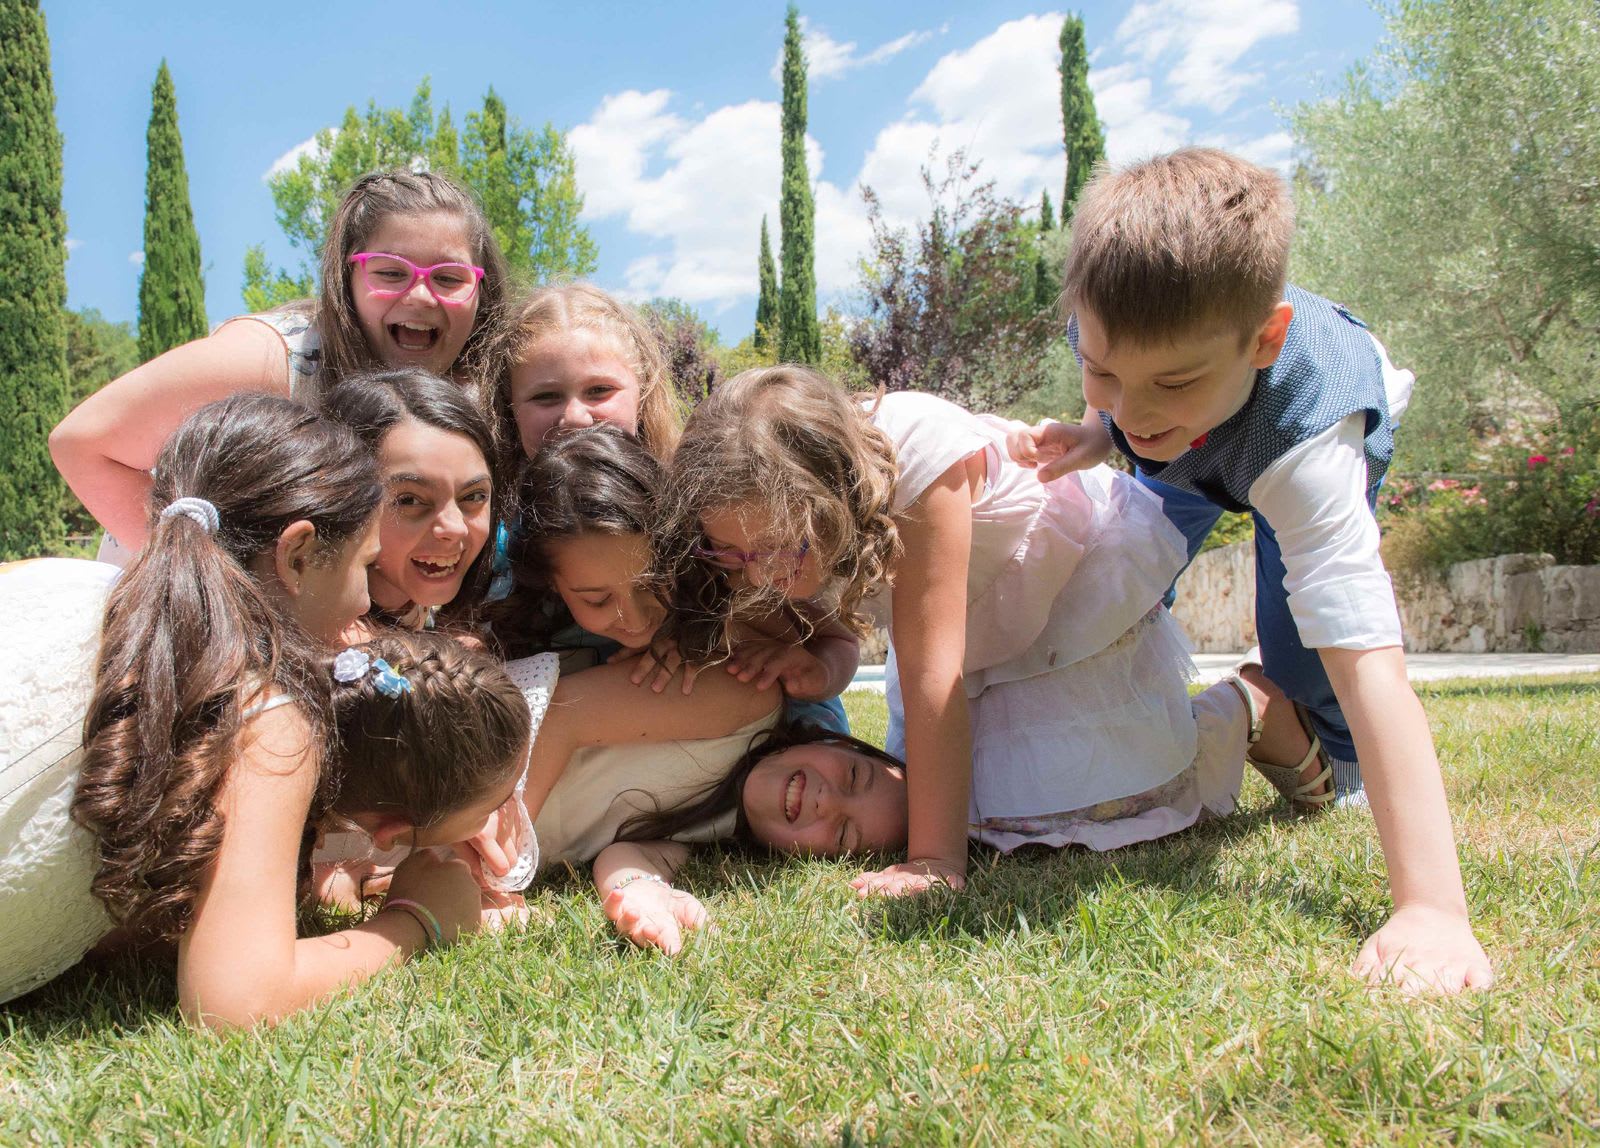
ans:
(457, 734)
(716, 799)
(191, 637)
(371, 201)
(372, 403)
(591, 480)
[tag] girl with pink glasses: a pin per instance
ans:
(411, 277)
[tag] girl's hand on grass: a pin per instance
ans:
(445, 885)
(768, 661)
(659, 664)
(1421, 950)
(914, 876)
(650, 913)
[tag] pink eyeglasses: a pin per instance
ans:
(387, 276)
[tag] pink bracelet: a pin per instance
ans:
(432, 934)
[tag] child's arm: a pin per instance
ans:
(240, 960)
(1428, 941)
(603, 707)
(1061, 447)
(930, 630)
(633, 879)
(106, 446)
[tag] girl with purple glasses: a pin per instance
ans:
(411, 277)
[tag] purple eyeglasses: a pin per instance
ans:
(387, 276)
(728, 558)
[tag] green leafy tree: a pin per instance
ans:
(1449, 196)
(799, 339)
(525, 179)
(98, 351)
(33, 338)
(1081, 133)
(1047, 216)
(1046, 283)
(767, 300)
(172, 291)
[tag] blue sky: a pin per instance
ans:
(672, 110)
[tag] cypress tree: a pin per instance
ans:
(1080, 126)
(799, 337)
(1047, 217)
(33, 333)
(767, 301)
(172, 293)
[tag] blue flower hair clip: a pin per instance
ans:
(352, 665)
(390, 684)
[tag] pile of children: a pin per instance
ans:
(428, 586)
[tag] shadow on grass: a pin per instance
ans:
(123, 993)
(1039, 887)
(1536, 690)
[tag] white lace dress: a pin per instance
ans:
(48, 916)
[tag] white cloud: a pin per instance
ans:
(72, 245)
(1133, 125)
(1209, 39)
(699, 187)
(136, 258)
(827, 58)
(289, 159)
(997, 100)
(1274, 150)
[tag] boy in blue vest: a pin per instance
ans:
(1230, 390)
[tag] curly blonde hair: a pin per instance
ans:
(794, 442)
(561, 308)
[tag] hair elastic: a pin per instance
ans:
(198, 509)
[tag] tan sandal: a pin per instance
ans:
(1303, 796)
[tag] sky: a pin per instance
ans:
(672, 112)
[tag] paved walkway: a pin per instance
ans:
(1422, 667)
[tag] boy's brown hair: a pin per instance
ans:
(1183, 240)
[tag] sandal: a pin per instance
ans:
(1304, 796)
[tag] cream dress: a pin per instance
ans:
(48, 916)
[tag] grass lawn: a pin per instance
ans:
(1189, 990)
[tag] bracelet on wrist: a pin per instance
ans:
(632, 877)
(432, 934)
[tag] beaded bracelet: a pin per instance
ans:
(432, 934)
(632, 877)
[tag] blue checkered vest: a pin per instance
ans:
(1329, 368)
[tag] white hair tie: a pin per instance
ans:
(196, 508)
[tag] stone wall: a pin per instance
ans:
(1511, 604)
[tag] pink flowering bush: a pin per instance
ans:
(1540, 500)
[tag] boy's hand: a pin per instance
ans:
(650, 913)
(766, 661)
(1420, 949)
(1059, 448)
(660, 668)
(913, 876)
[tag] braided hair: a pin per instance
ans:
(455, 734)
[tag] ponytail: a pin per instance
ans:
(191, 638)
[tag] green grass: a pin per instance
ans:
(1191, 990)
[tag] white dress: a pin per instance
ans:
(1077, 678)
(48, 917)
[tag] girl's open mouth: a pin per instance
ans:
(792, 794)
(414, 336)
(437, 570)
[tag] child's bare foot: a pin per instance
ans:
(1287, 754)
